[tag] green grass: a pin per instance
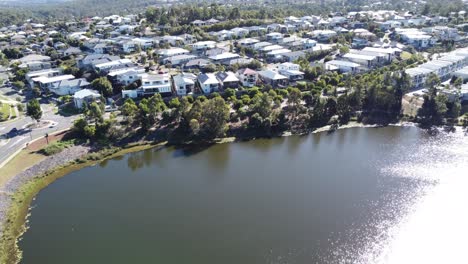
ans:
(4, 112)
(405, 55)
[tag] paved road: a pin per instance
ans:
(9, 144)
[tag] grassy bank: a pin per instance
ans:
(22, 198)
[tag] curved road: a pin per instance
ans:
(12, 142)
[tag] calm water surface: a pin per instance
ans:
(339, 198)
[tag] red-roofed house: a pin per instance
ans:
(247, 77)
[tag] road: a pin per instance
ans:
(9, 144)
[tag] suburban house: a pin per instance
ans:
(247, 77)
(208, 83)
(418, 76)
(227, 80)
(368, 61)
(179, 59)
(342, 66)
(116, 64)
(41, 73)
(203, 45)
(68, 87)
(126, 76)
(273, 78)
(46, 82)
(224, 57)
(85, 96)
(291, 71)
(155, 83)
(184, 83)
(164, 53)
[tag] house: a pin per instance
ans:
(463, 73)
(46, 82)
(418, 76)
(342, 66)
(224, 57)
(85, 96)
(248, 42)
(196, 64)
(155, 83)
(126, 76)
(203, 45)
(247, 77)
(323, 35)
(368, 61)
(91, 60)
(35, 62)
(41, 73)
(72, 51)
(164, 53)
(179, 59)
(293, 55)
(273, 78)
(198, 23)
(291, 71)
(416, 38)
(227, 80)
(184, 83)
(276, 55)
(274, 37)
(68, 87)
(116, 64)
(208, 83)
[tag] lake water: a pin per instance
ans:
(361, 195)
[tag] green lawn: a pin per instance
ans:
(4, 112)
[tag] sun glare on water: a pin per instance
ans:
(434, 229)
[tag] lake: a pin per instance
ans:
(354, 196)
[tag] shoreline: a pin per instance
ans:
(18, 193)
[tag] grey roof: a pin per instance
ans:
(197, 62)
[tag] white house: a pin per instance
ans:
(291, 70)
(208, 83)
(155, 83)
(247, 77)
(172, 52)
(184, 83)
(203, 45)
(85, 96)
(46, 73)
(342, 66)
(68, 87)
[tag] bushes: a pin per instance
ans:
(56, 147)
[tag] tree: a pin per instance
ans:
(33, 110)
(129, 109)
(294, 101)
(103, 85)
(95, 112)
(214, 118)
(262, 105)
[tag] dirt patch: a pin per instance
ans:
(42, 142)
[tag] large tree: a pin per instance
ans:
(214, 118)
(103, 85)
(33, 110)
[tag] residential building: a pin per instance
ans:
(85, 96)
(247, 77)
(291, 70)
(343, 66)
(273, 78)
(227, 80)
(46, 73)
(155, 83)
(208, 83)
(184, 83)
